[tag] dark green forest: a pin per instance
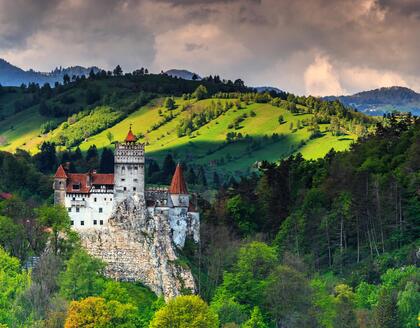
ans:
(322, 243)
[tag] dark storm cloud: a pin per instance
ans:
(319, 46)
(19, 19)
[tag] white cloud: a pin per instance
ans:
(321, 79)
(365, 78)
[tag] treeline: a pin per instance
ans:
(103, 88)
(348, 222)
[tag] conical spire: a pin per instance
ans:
(178, 185)
(61, 173)
(130, 136)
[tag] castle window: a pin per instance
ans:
(74, 198)
(101, 222)
(135, 180)
(100, 209)
(125, 188)
(134, 188)
(122, 179)
(95, 222)
(77, 209)
(69, 209)
(94, 199)
(82, 223)
(135, 167)
(105, 199)
(72, 222)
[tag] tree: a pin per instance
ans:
(242, 214)
(110, 136)
(92, 156)
(386, 314)
(281, 119)
(106, 164)
(12, 237)
(408, 304)
(344, 300)
(66, 79)
(246, 283)
(13, 281)
(256, 320)
(82, 277)
(44, 285)
(168, 168)
(56, 218)
(169, 103)
(288, 297)
(117, 70)
(46, 159)
(200, 92)
(185, 312)
(98, 313)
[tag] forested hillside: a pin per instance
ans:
(331, 242)
(221, 123)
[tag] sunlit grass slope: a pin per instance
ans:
(206, 145)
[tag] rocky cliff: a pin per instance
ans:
(138, 246)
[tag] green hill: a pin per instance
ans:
(229, 131)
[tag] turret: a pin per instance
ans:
(128, 167)
(178, 191)
(60, 185)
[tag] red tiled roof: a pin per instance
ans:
(103, 179)
(61, 173)
(77, 183)
(178, 185)
(5, 195)
(130, 137)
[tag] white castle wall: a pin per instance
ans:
(89, 210)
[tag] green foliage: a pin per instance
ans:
(344, 300)
(247, 282)
(242, 213)
(408, 304)
(82, 277)
(98, 313)
(57, 219)
(228, 310)
(98, 119)
(169, 103)
(185, 312)
(12, 283)
(201, 92)
(288, 296)
(256, 320)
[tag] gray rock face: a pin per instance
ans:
(138, 246)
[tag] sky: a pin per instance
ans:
(318, 47)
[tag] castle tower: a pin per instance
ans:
(128, 168)
(178, 190)
(60, 185)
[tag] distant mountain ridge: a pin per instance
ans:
(268, 88)
(183, 74)
(11, 75)
(383, 100)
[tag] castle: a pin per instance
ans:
(91, 198)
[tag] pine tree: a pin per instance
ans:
(386, 314)
(107, 161)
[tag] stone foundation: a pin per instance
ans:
(138, 246)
